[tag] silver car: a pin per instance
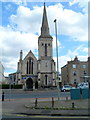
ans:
(66, 88)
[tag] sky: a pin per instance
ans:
(20, 28)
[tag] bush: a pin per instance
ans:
(7, 86)
(18, 86)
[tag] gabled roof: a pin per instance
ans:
(30, 54)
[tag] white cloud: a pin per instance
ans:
(6, 73)
(18, 2)
(85, 50)
(71, 55)
(82, 3)
(68, 22)
(12, 43)
(54, 42)
(77, 51)
(27, 20)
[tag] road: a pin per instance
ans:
(23, 117)
(36, 94)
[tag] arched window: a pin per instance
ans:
(46, 79)
(45, 49)
(27, 67)
(30, 66)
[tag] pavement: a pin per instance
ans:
(61, 107)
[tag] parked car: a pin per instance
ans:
(66, 88)
(83, 85)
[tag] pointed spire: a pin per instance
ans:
(45, 27)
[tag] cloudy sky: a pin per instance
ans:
(21, 24)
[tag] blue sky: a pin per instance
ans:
(21, 24)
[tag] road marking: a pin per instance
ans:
(58, 117)
(14, 115)
(40, 116)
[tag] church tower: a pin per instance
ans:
(46, 64)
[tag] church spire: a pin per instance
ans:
(45, 27)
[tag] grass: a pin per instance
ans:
(48, 106)
(53, 108)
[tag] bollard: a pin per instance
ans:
(52, 102)
(36, 103)
(66, 98)
(3, 96)
(73, 105)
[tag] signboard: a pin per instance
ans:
(29, 76)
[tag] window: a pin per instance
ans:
(45, 49)
(74, 73)
(75, 81)
(29, 68)
(46, 78)
(84, 72)
(49, 44)
(74, 66)
(84, 66)
(46, 65)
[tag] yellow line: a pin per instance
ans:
(46, 116)
(57, 117)
(21, 115)
(14, 114)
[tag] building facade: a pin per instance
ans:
(75, 71)
(2, 78)
(33, 73)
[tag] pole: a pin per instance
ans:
(10, 90)
(55, 21)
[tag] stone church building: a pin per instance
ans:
(33, 73)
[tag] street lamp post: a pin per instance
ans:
(55, 21)
(10, 90)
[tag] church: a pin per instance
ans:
(33, 73)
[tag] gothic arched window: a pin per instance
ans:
(45, 49)
(27, 67)
(30, 66)
(46, 79)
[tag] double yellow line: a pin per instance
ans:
(40, 116)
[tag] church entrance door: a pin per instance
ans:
(29, 84)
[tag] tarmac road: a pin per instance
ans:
(34, 94)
